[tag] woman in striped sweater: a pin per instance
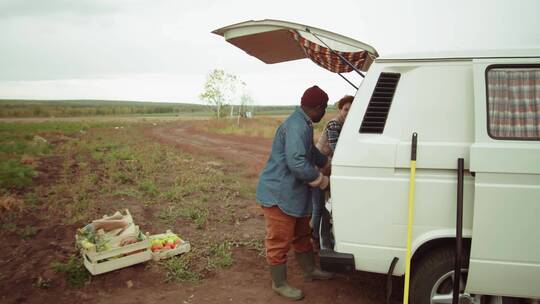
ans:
(320, 218)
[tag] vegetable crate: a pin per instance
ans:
(118, 257)
(160, 254)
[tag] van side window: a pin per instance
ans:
(513, 101)
(379, 104)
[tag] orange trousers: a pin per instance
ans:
(282, 230)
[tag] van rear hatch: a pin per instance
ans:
(274, 41)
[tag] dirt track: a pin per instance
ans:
(251, 153)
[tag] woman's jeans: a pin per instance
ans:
(320, 220)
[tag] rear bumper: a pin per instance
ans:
(336, 262)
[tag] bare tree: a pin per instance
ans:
(246, 103)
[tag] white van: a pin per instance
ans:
(481, 106)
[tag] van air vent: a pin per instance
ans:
(379, 104)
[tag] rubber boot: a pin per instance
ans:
(311, 272)
(280, 284)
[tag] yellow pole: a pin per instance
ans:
(410, 221)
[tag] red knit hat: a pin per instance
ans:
(314, 97)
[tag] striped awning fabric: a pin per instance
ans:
(326, 59)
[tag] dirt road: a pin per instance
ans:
(249, 152)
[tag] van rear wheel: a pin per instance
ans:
(433, 280)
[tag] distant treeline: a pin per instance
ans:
(70, 108)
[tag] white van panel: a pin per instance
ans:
(505, 248)
(506, 156)
(506, 243)
(444, 125)
(369, 207)
(523, 278)
(448, 117)
(370, 185)
(375, 258)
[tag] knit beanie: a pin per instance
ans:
(314, 97)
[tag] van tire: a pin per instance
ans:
(429, 269)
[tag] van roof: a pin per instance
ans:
(465, 54)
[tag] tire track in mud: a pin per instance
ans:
(250, 152)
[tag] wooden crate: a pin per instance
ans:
(182, 247)
(101, 262)
(164, 254)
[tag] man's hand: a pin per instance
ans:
(321, 181)
(325, 182)
(326, 170)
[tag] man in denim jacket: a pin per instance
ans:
(284, 191)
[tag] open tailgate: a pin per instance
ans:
(274, 41)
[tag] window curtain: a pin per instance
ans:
(514, 103)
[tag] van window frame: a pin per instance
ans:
(508, 66)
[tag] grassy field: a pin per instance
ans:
(264, 127)
(258, 127)
(65, 172)
(68, 173)
(80, 108)
(71, 108)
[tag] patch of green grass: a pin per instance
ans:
(78, 209)
(126, 192)
(28, 232)
(252, 244)
(148, 203)
(123, 154)
(230, 213)
(179, 269)
(107, 146)
(264, 127)
(75, 273)
(198, 214)
(8, 226)
(170, 214)
(31, 200)
(220, 255)
(257, 127)
(172, 194)
(50, 126)
(13, 174)
(42, 283)
(194, 212)
(20, 143)
(121, 177)
(148, 187)
(97, 155)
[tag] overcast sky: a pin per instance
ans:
(162, 50)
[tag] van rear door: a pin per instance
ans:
(274, 41)
(505, 253)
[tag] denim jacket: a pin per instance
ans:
(290, 167)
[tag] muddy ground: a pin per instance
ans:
(246, 281)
